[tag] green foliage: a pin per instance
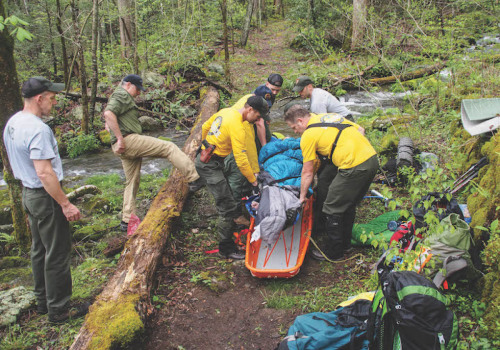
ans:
(82, 144)
(312, 39)
(19, 32)
(17, 338)
(89, 277)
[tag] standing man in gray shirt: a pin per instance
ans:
(321, 100)
(34, 157)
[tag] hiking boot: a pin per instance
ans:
(123, 226)
(241, 220)
(41, 309)
(196, 185)
(316, 255)
(70, 313)
(235, 255)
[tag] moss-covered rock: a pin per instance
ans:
(105, 137)
(114, 323)
(491, 290)
(13, 261)
(386, 121)
(94, 230)
(16, 276)
(97, 204)
(389, 143)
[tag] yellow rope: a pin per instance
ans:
(329, 260)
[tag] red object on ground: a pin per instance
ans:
(133, 224)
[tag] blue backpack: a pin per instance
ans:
(344, 328)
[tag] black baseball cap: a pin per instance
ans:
(259, 104)
(301, 83)
(134, 79)
(36, 85)
(275, 79)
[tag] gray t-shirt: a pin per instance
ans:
(324, 102)
(28, 138)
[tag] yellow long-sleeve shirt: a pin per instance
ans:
(352, 147)
(253, 157)
(226, 130)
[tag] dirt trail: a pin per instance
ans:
(267, 52)
(190, 315)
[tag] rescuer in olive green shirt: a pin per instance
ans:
(122, 118)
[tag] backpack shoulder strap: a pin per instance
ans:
(339, 126)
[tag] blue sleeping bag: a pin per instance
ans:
(283, 160)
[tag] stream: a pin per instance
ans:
(106, 163)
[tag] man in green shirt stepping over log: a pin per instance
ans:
(122, 117)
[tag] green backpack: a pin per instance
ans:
(450, 250)
(409, 313)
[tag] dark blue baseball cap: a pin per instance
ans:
(134, 79)
(266, 93)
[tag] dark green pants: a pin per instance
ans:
(326, 173)
(50, 249)
(338, 193)
(348, 187)
(216, 181)
(240, 187)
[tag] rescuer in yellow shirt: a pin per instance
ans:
(225, 133)
(238, 183)
(348, 166)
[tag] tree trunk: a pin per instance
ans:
(409, 76)
(11, 102)
(278, 7)
(83, 71)
(95, 67)
(63, 42)
(227, 73)
(136, 40)
(122, 308)
(310, 13)
(359, 13)
(52, 47)
(246, 27)
(127, 25)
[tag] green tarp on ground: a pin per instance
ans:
(378, 226)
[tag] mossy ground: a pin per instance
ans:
(90, 269)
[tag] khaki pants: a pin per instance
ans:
(139, 146)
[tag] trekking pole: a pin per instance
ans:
(465, 176)
(464, 182)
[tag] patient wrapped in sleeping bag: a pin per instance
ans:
(279, 205)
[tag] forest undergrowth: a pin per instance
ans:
(191, 282)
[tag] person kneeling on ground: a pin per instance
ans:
(348, 166)
(222, 134)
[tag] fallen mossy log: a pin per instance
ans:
(347, 80)
(120, 311)
(410, 75)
